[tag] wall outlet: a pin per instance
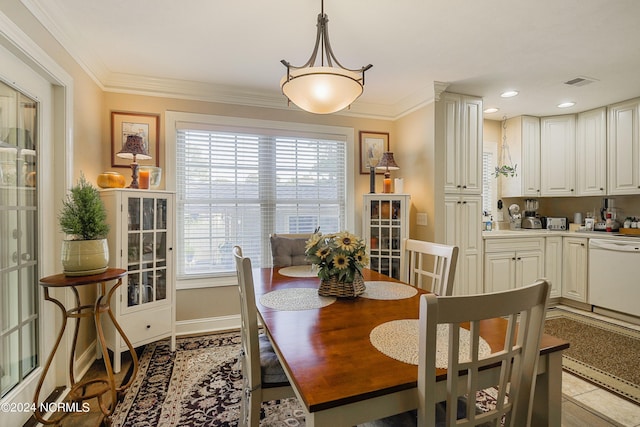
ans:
(421, 218)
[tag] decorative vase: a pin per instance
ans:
(334, 288)
(84, 257)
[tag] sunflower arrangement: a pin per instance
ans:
(340, 254)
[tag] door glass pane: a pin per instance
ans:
(148, 213)
(161, 219)
(19, 231)
(134, 214)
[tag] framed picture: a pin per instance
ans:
(145, 125)
(372, 145)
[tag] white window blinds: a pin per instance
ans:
(237, 186)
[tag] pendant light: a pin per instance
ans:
(326, 88)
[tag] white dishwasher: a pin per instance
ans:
(614, 274)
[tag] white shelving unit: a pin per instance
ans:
(141, 241)
(385, 224)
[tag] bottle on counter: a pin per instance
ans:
(609, 222)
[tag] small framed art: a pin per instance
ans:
(145, 125)
(372, 145)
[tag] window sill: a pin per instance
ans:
(206, 282)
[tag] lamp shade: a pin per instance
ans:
(387, 162)
(322, 90)
(134, 147)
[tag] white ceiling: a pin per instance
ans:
(230, 51)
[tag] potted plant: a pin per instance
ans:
(84, 220)
(340, 258)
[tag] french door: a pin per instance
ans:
(26, 212)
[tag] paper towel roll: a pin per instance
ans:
(398, 186)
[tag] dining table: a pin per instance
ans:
(339, 376)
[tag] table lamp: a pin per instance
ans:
(134, 149)
(388, 163)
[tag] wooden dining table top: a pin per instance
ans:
(328, 353)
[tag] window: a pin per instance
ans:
(235, 185)
(489, 181)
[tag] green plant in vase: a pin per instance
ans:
(83, 219)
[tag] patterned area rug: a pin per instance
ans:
(200, 385)
(601, 352)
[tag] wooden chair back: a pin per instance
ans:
(524, 309)
(254, 390)
(429, 266)
(288, 249)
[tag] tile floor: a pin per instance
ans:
(620, 411)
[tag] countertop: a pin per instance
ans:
(503, 234)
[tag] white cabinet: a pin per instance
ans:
(523, 139)
(385, 224)
(512, 263)
(141, 241)
(575, 268)
(557, 150)
(591, 153)
(553, 264)
(463, 228)
(460, 126)
(623, 148)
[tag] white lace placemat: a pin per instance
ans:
(299, 271)
(398, 339)
(387, 290)
(295, 299)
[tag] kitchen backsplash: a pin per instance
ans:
(567, 206)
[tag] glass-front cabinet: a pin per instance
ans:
(141, 241)
(385, 224)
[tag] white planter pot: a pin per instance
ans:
(84, 257)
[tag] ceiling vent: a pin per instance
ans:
(580, 81)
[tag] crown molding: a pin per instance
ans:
(200, 91)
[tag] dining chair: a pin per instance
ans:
(430, 266)
(288, 249)
(262, 375)
(516, 363)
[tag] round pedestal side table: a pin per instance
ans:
(98, 387)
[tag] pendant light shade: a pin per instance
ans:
(326, 88)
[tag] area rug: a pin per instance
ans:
(200, 385)
(601, 352)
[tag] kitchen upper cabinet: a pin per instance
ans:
(461, 125)
(591, 153)
(463, 228)
(523, 139)
(574, 268)
(512, 263)
(623, 148)
(558, 155)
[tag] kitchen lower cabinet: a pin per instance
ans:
(553, 264)
(463, 228)
(575, 268)
(512, 263)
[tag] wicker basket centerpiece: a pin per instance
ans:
(340, 258)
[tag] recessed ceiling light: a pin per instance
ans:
(566, 104)
(509, 93)
(491, 110)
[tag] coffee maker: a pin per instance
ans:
(608, 208)
(531, 219)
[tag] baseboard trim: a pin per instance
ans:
(207, 325)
